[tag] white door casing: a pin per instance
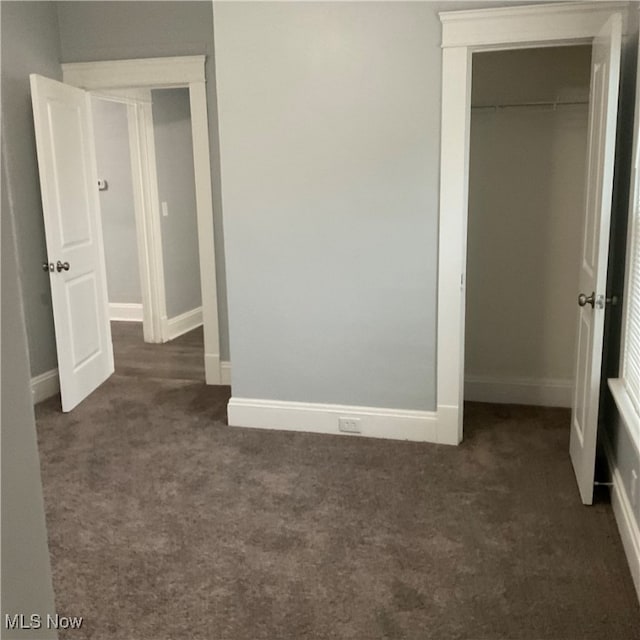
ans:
(68, 180)
(463, 33)
(603, 102)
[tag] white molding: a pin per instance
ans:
(464, 33)
(179, 325)
(212, 368)
(186, 71)
(144, 72)
(535, 24)
(393, 424)
(544, 392)
(45, 385)
(148, 225)
(125, 311)
(225, 372)
(626, 409)
(623, 513)
(204, 213)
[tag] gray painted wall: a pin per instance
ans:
(29, 44)
(120, 30)
(626, 453)
(176, 188)
(117, 203)
(329, 132)
(26, 572)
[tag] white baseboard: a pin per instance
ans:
(45, 385)
(394, 424)
(543, 392)
(125, 311)
(623, 513)
(174, 327)
(225, 372)
(212, 370)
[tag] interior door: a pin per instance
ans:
(68, 181)
(605, 69)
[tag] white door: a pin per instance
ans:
(605, 68)
(68, 181)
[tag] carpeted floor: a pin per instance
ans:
(180, 359)
(164, 523)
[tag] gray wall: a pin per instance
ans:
(29, 44)
(329, 131)
(176, 187)
(626, 454)
(117, 203)
(26, 572)
(119, 30)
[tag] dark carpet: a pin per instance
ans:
(179, 359)
(164, 523)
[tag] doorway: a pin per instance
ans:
(171, 264)
(131, 80)
(465, 33)
(528, 150)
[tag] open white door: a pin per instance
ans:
(68, 181)
(605, 70)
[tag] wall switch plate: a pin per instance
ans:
(349, 425)
(165, 209)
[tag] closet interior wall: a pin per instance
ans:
(526, 189)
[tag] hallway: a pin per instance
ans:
(180, 359)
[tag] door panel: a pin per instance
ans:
(605, 69)
(68, 180)
(69, 171)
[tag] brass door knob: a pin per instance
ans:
(60, 266)
(584, 300)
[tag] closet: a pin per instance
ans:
(529, 124)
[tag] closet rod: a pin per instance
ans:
(530, 104)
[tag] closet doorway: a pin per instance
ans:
(527, 170)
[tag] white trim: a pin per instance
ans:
(225, 372)
(125, 311)
(544, 392)
(394, 424)
(179, 325)
(204, 211)
(148, 224)
(463, 33)
(212, 369)
(526, 24)
(617, 387)
(626, 409)
(143, 72)
(45, 385)
(623, 513)
(151, 73)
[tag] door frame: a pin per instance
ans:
(463, 34)
(103, 77)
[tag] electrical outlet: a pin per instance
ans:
(634, 487)
(349, 425)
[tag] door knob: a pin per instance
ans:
(47, 266)
(62, 266)
(584, 300)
